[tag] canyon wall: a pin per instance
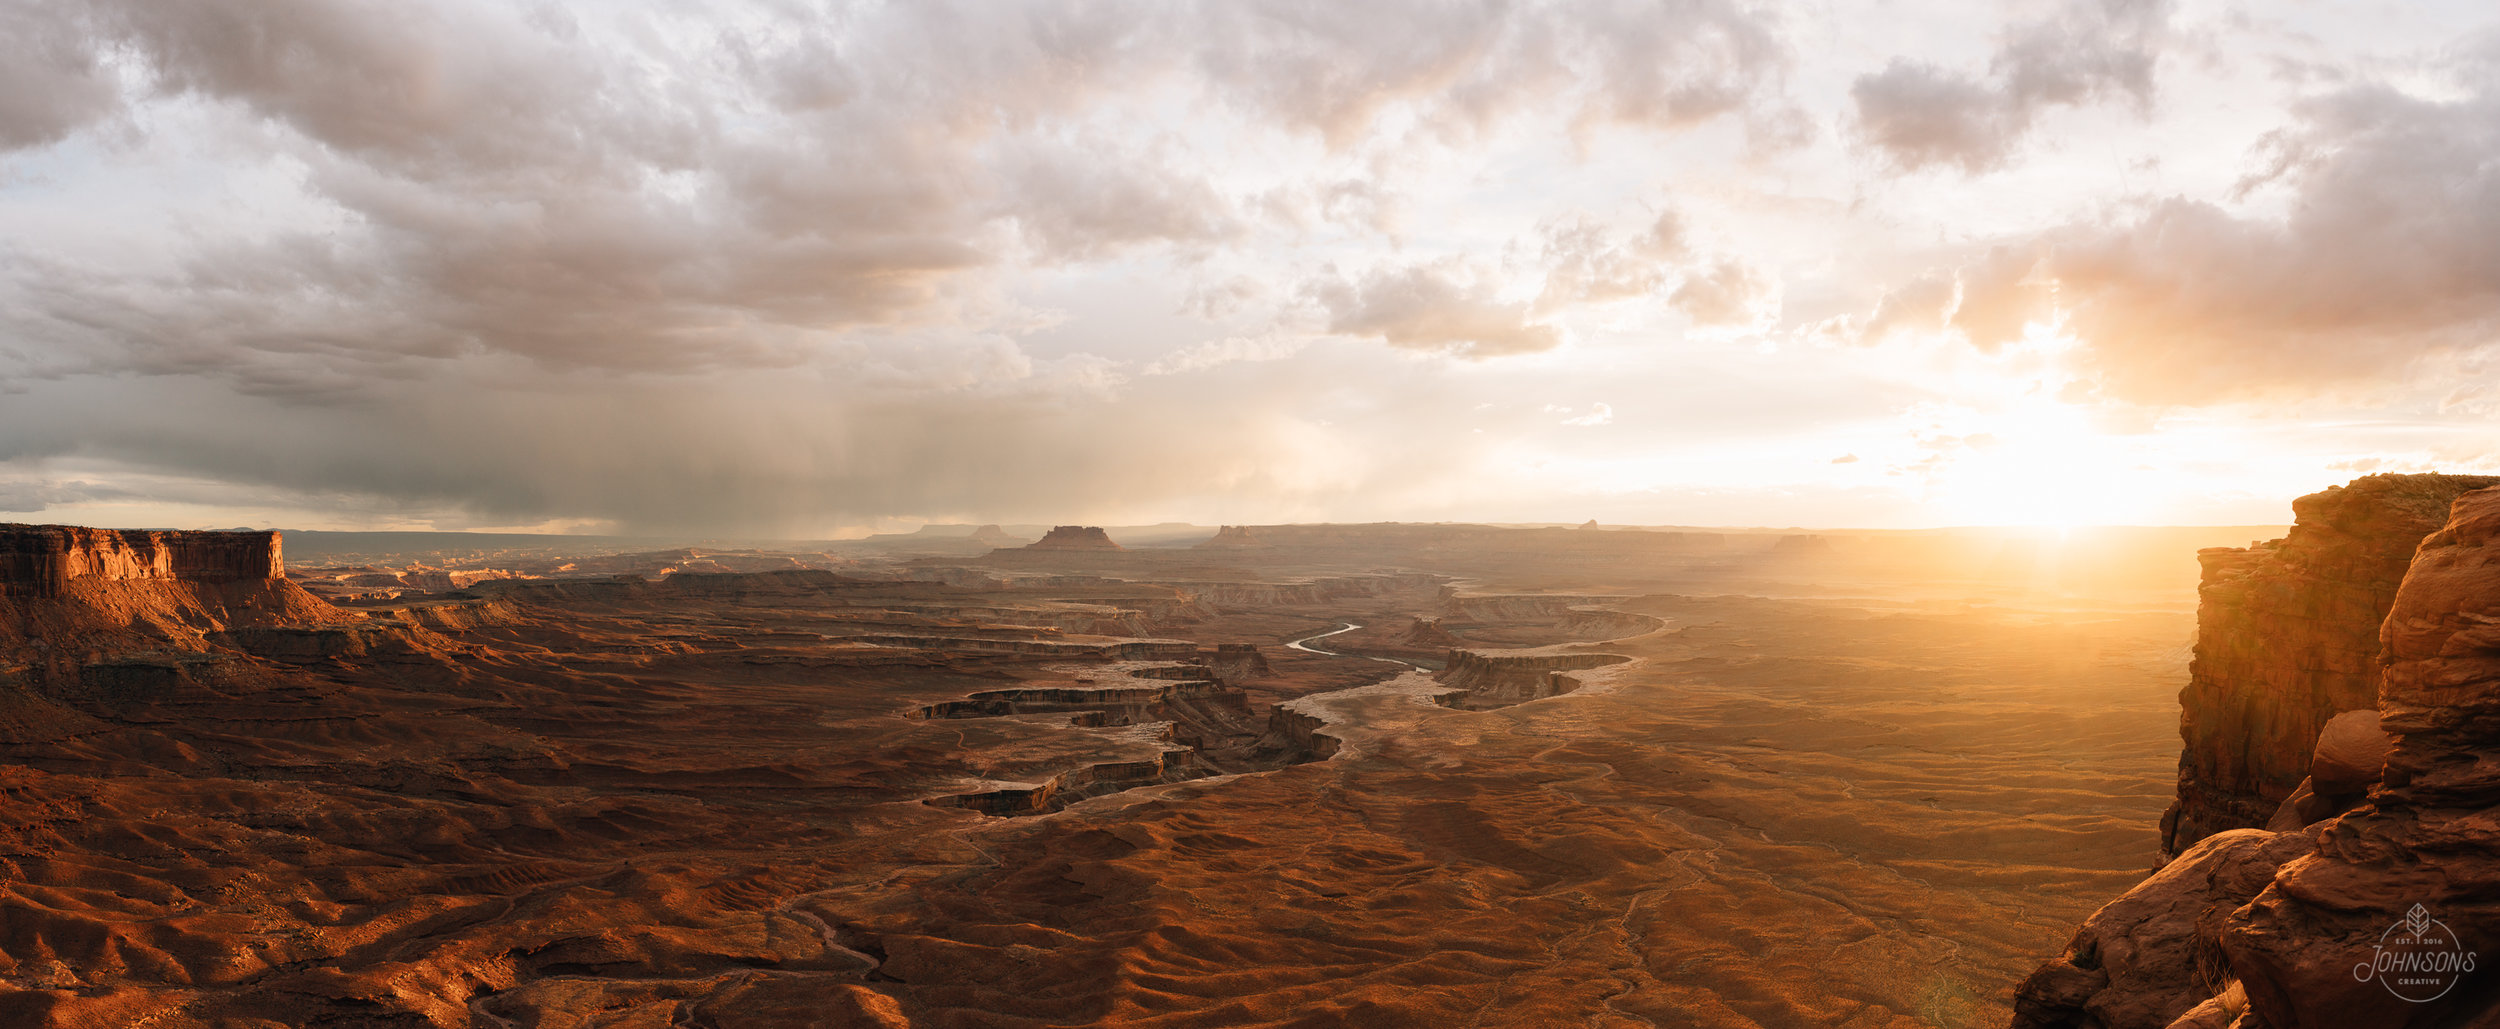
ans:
(2373, 890)
(41, 560)
(2287, 637)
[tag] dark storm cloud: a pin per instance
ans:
(2388, 252)
(651, 195)
(51, 79)
(30, 496)
(2090, 51)
(745, 266)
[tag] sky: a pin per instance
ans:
(816, 269)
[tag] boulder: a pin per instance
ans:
(2153, 955)
(2350, 752)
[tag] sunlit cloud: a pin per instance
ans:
(791, 267)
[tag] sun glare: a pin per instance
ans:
(2046, 465)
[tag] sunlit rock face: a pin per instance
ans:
(2287, 637)
(2375, 890)
(41, 560)
(2428, 837)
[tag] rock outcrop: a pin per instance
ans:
(2149, 957)
(992, 536)
(2287, 638)
(1502, 679)
(1234, 537)
(2420, 860)
(2375, 890)
(1075, 537)
(42, 560)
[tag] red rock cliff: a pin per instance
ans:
(2287, 637)
(2428, 835)
(2374, 890)
(42, 560)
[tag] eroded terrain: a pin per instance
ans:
(1088, 790)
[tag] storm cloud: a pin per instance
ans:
(786, 265)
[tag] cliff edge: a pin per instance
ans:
(42, 560)
(2373, 889)
(73, 599)
(2287, 638)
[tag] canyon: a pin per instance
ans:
(1392, 775)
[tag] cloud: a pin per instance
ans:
(1599, 414)
(1999, 295)
(1339, 69)
(637, 190)
(1229, 350)
(2090, 51)
(1444, 307)
(2388, 253)
(1724, 294)
(29, 496)
(1584, 265)
(1921, 305)
(51, 79)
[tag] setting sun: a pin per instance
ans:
(1249, 514)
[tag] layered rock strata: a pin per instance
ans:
(2375, 890)
(2287, 638)
(42, 560)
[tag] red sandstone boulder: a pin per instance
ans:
(2150, 957)
(2350, 752)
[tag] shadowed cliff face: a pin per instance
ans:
(2287, 637)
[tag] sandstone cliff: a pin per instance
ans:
(2287, 637)
(42, 560)
(96, 620)
(2352, 908)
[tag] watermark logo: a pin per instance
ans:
(2417, 958)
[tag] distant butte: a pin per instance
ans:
(1076, 537)
(992, 535)
(1233, 536)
